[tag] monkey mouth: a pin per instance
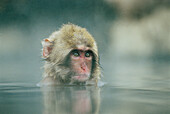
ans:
(80, 78)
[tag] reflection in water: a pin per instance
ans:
(75, 100)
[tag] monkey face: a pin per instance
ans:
(81, 64)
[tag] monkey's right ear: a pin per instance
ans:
(47, 48)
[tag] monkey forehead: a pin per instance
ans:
(83, 39)
(82, 47)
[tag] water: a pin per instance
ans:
(30, 99)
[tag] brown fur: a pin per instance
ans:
(63, 42)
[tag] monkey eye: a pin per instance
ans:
(76, 53)
(87, 54)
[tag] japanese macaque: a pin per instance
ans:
(71, 57)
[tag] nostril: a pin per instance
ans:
(83, 68)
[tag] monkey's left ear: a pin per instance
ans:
(47, 48)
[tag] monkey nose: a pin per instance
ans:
(83, 66)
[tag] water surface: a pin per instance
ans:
(30, 99)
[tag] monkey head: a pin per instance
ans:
(71, 56)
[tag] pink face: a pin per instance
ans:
(81, 63)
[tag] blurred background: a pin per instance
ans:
(133, 38)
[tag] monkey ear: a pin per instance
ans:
(47, 48)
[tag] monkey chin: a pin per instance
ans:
(80, 78)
